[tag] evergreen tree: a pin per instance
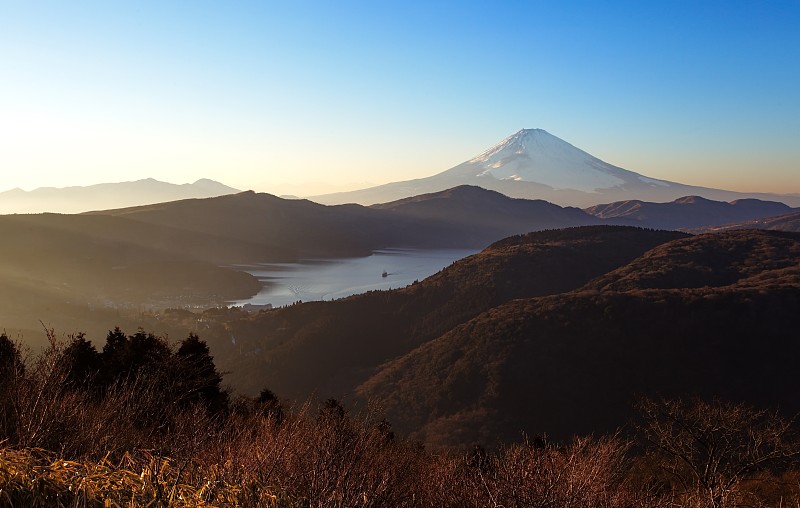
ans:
(198, 379)
(82, 361)
(10, 359)
(139, 354)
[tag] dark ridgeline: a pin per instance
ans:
(479, 216)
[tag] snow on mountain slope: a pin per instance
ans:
(534, 155)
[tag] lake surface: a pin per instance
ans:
(329, 279)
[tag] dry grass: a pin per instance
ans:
(35, 477)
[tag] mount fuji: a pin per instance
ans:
(534, 164)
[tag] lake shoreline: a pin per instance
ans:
(333, 278)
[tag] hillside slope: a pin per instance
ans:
(573, 363)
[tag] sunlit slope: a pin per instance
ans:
(741, 258)
(81, 273)
(94, 258)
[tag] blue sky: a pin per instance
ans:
(272, 95)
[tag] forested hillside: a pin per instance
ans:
(714, 315)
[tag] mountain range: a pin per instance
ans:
(555, 328)
(535, 164)
(102, 196)
(530, 164)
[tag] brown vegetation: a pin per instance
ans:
(711, 449)
(133, 444)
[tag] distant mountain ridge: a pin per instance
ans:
(308, 229)
(687, 212)
(534, 164)
(102, 196)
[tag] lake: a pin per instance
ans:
(329, 279)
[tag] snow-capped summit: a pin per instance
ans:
(518, 141)
(535, 155)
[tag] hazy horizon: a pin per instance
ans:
(271, 97)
